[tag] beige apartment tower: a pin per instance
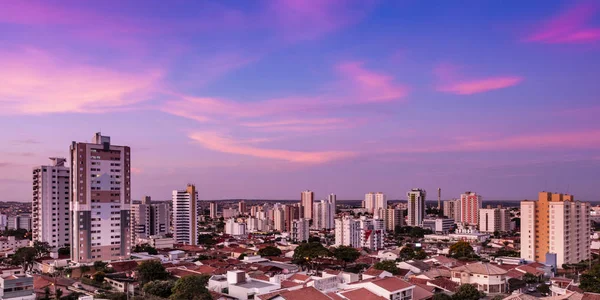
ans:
(555, 224)
(307, 199)
(100, 200)
(185, 215)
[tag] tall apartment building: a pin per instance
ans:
(347, 232)
(22, 221)
(416, 207)
(100, 200)
(470, 203)
(279, 219)
(149, 219)
(50, 205)
(307, 200)
(242, 207)
(393, 217)
(232, 227)
(185, 214)
(452, 209)
(291, 213)
(555, 224)
(299, 231)
(494, 219)
(374, 202)
(324, 213)
(213, 210)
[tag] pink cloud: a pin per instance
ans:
(35, 82)
(570, 26)
(371, 86)
(480, 85)
(220, 143)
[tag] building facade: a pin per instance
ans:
(394, 217)
(299, 230)
(357, 233)
(416, 207)
(213, 210)
(185, 214)
(232, 227)
(470, 203)
(347, 232)
(324, 213)
(22, 221)
(555, 224)
(100, 189)
(494, 219)
(452, 209)
(439, 225)
(307, 200)
(149, 219)
(50, 205)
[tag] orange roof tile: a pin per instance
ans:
(392, 284)
(361, 294)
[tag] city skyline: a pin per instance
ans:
(266, 99)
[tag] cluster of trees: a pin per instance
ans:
(414, 232)
(307, 252)
(17, 233)
(462, 250)
(207, 240)
(409, 252)
(387, 265)
(26, 256)
(155, 280)
(145, 248)
(269, 251)
(464, 292)
(590, 281)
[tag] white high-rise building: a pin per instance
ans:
(100, 200)
(452, 209)
(252, 224)
(148, 219)
(555, 224)
(347, 232)
(229, 213)
(22, 221)
(372, 233)
(50, 205)
(416, 207)
(185, 215)
(470, 203)
(299, 230)
(279, 219)
(232, 227)
(324, 213)
(213, 210)
(393, 217)
(380, 205)
(307, 200)
(374, 202)
(494, 219)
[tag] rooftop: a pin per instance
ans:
(361, 294)
(392, 284)
(481, 268)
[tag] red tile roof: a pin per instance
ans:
(289, 284)
(532, 270)
(445, 284)
(361, 294)
(515, 274)
(299, 294)
(299, 277)
(392, 284)
(373, 272)
(422, 292)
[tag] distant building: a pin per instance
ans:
(416, 207)
(394, 217)
(213, 210)
(357, 233)
(375, 202)
(149, 218)
(50, 205)
(347, 232)
(438, 225)
(494, 219)
(452, 209)
(229, 213)
(307, 200)
(232, 227)
(299, 230)
(279, 219)
(185, 214)
(324, 213)
(372, 233)
(470, 203)
(22, 221)
(242, 207)
(100, 200)
(291, 213)
(555, 224)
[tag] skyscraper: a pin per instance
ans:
(324, 213)
(100, 200)
(494, 219)
(416, 207)
(374, 202)
(347, 232)
(452, 209)
(555, 224)
(185, 214)
(380, 205)
(299, 231)
(307, 199)
(393, 217)
(242, 207)
(50, 205)
(470, 203)
(439, 207)
(291, 213)
(364, 232)
(149, 219)
(279, 219)
(213, 210)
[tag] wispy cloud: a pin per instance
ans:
(371, 86)
(571, 26)
(218, 142)
(476, 86)
(35, 82)
(451, 80)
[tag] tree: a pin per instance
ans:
(191, 288)
(145, 248)
(58, 294)
(305, 253)
(160, 288)
(420, 254)
(314, 239)
(99, 277)
(46, 293)
(543, 288)
(590, 281)
(269, 251)
(151, 270)
(100, 265)
(207, 240)
(387, 265)
(407, 253)
(468, 292)
(346, 254)
(441, 296)
(24, 257)
(530, 278)
(41, 248)
(515, 284)
(17, 233)
(461, 249)
(64, 251)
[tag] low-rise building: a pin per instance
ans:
(17, 287)
(438, 225)
(238, 285)
(488, 278)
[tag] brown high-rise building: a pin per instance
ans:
(100, 200)
(555, 224)
(307, 200)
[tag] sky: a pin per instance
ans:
(264, 99)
